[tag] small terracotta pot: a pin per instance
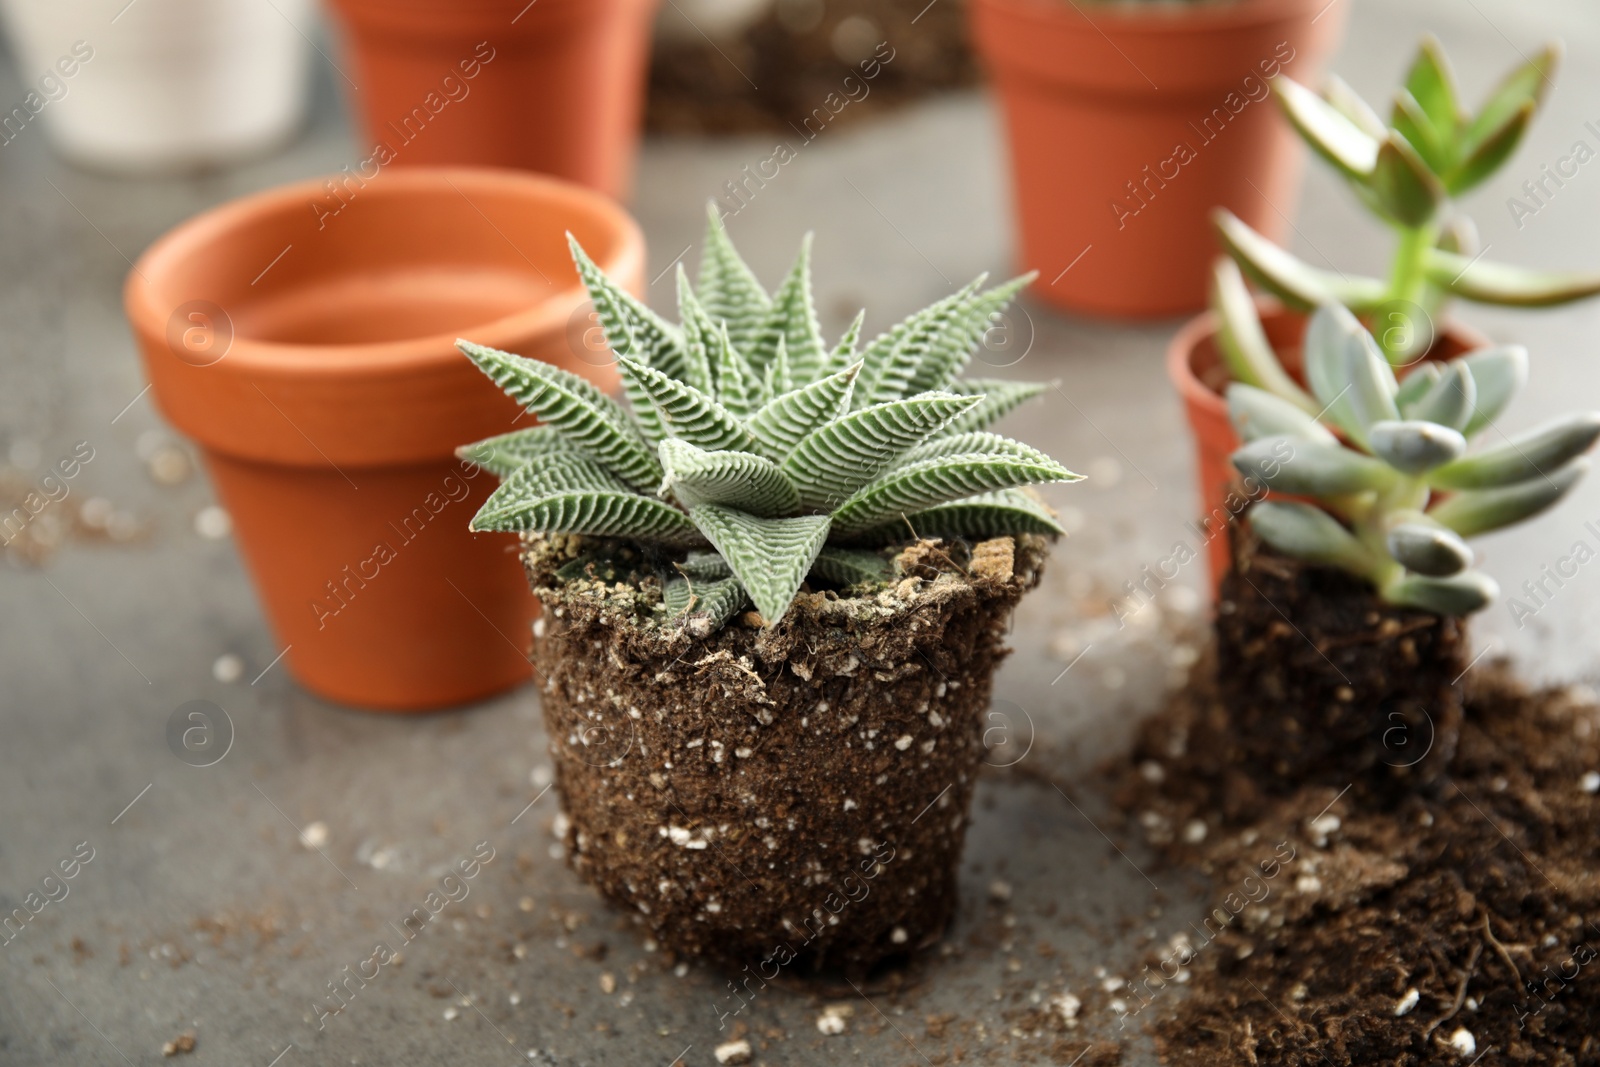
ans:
(314, 362)
(554, 86)
(1128, 124)
(1198, 373)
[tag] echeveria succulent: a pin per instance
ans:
(751, 453)
(1408, 171)
(1393, 491)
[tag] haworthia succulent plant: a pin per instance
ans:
(1407, 170)
(765, 454)
(1394, 500)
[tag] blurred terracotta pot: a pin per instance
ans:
(1128, 123)
(1195, 366)
(313, 360)
(554, 86)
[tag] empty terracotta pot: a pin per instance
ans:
(554, 86)
(313, 360)
(1195, 366)
(1128, 123)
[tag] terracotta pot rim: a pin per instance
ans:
(205, 234)
(1156, 20)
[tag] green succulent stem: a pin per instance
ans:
(1408, 282)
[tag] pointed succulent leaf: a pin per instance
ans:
(1372, 384)
(1009, 511)
(997, 398)
(1450, 401)
(1310, 468)
(585, 416)
(703, 566)
(833, 461)
(1499, 283)
(1413, 124)
(844, 353)
(847, 567)
(740, 480)
(503, 454)
(1428, 548)
(1530, 455)
(1329, 133)
(792, 320)
(1422, 377)
(714, 603)
(1413, 447)
(1405, 187)
(739, 388)
(1477, 511)
(1291, 280)
(1347, 102)
(631, 328)
(676, 596)
(950, 350)
(1524, 85)
(770, 557)
(600, 513)
(1498, 375)
(686, 412)
(1459, 594)
(891, 359)
(1432, 85)
(700, 336)
(916, 486)
(1243, 342)
(785, 420)
(1309, 533)
(1329, 334)
(1257, 413)
(728, 287)
(976, 441)
(508, 505)
(1491, 153)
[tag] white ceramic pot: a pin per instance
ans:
(152, 85)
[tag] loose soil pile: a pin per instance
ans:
(1361, 925)
(773, 76)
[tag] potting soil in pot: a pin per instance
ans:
(781, 800)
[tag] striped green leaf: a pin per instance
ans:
(785, 420)
(891, 358)
(704, 607)
(1009, 511)
(740, 480)
(585, 416)
(728, 287)
(950, 352)
(976, 441)
(703, 567)
(844, 353)
(792, 319)
(503, 454)
(739, 388)
(700, 336)
(685, 411)
(997, 398)
(916, 486)
(597, 512)
(836, 459)
(848, 567)
(770, 557)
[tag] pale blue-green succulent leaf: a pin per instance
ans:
(728, 287)
(1329, 335)
(785, 420)
(1450, 401)
(1310, 468)
(1477, 511)
(504, 454)
(835, 460)
(586, 417)
(1329, 133)
(1257, 413)
(740, 480)
(792, 320)
(1459, 594)
(848, 567)
(1372, 384)
(1529, 455)
(1009, 511)
(1488, 282)
(1415, 447)
(1428, 548)
(1308, 533)
(907, 489)
(1498, 375)
(1422, 377)
(975, 441)
(686, 412)
(1243, 342)
(1296, 283)
(770, 557)
(997, 398)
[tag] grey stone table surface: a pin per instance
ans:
(203, 909)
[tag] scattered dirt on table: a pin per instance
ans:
(1354, 925)
(776, 74)
(183, 1043)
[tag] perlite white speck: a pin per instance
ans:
(1067, 1005)
(830, 1024)
(903, 742)
(733, 1052)
(315, 835)
(1308, 883)
(898, 935)
(1463, 1042)
(1194, 831)
(999, 890)
(451, 1014)
(228, 668)
(213, 523)
(1590, 783)
(1407, 1002)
